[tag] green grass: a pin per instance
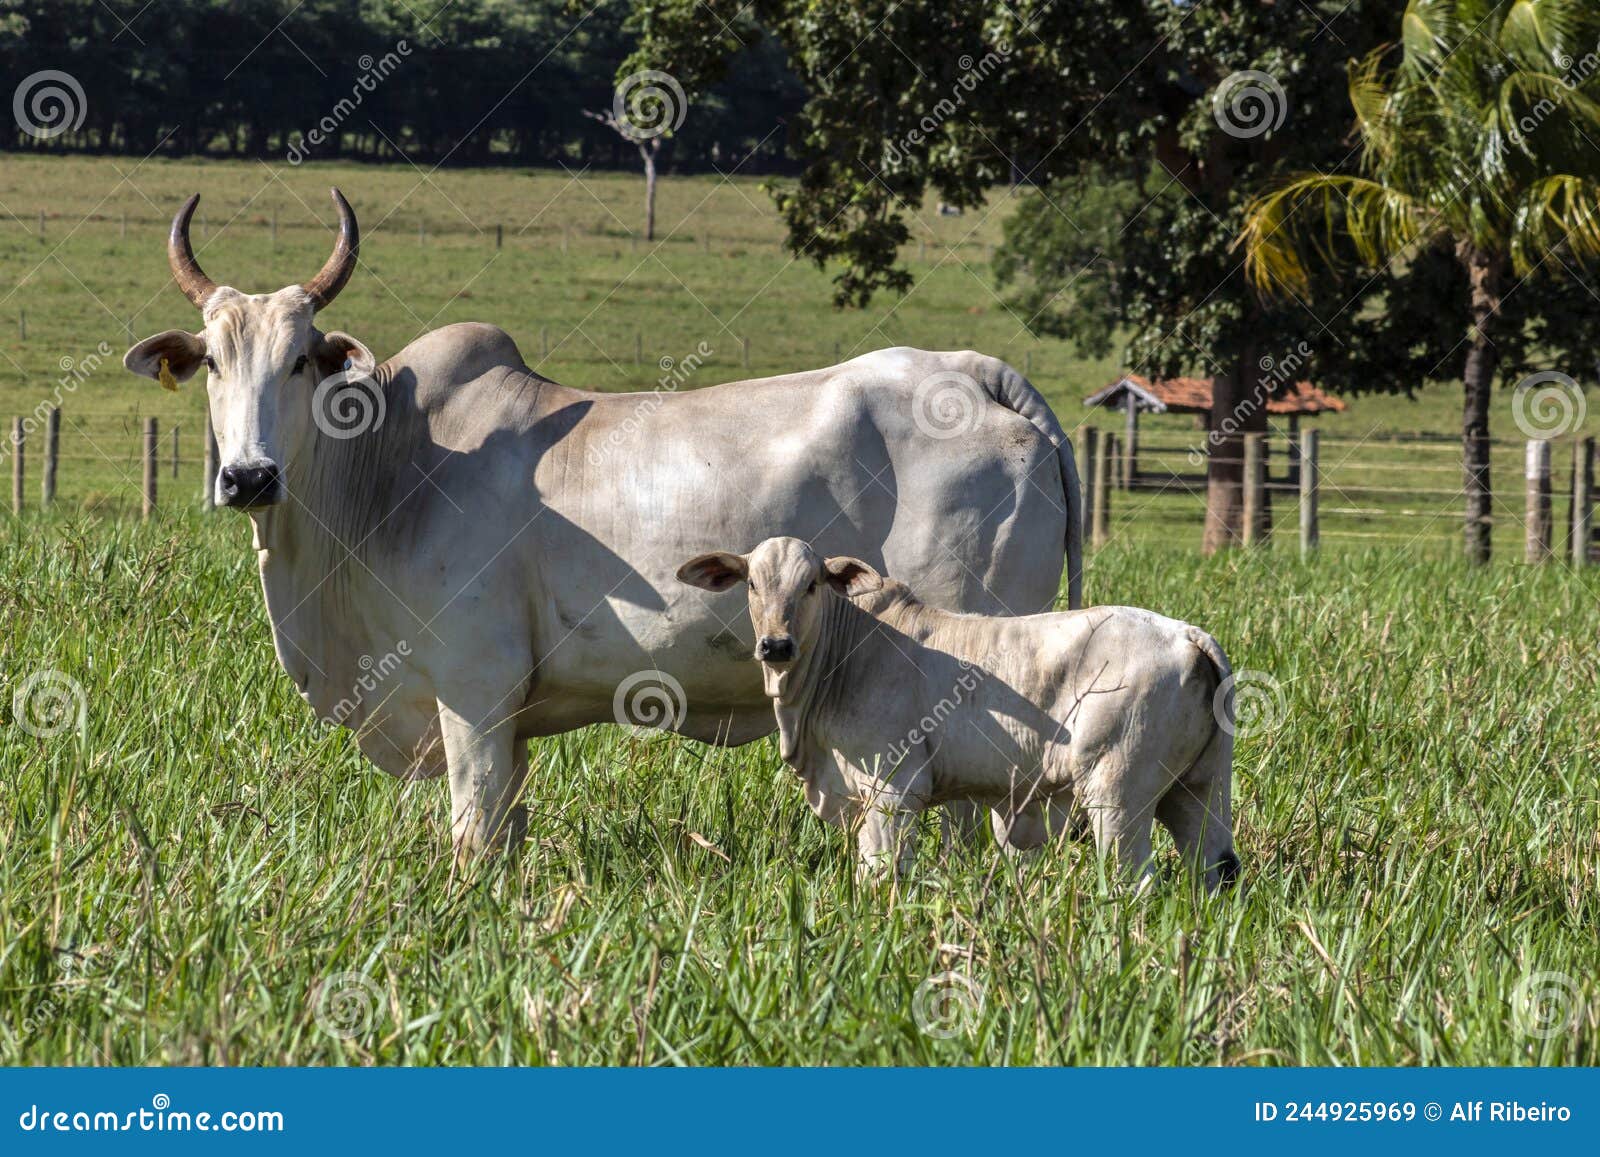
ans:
(590, 306)
(1419, 828)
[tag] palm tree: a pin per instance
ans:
(1484, 139)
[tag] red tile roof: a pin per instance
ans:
(1193, 396)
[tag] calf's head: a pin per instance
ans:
(263, 359)
(788, 581)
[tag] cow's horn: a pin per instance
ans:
(325, 286)
(191, 278)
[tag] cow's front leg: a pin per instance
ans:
(488, 766)
(960, 827)
(885, 841)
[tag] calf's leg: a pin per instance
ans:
(1121, 810)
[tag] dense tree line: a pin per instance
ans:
(471, 82)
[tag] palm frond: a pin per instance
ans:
(1540, 35)
(1557, 212)
(1330, 219)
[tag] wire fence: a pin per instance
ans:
(1398, 490)
(1408, 490)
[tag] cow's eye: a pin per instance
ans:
(211, 363)
(300, 364)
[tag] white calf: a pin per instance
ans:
(886, 707)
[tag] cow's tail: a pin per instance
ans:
(1210, 776)
(1016, 393)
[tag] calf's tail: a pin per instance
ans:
(1017, 394)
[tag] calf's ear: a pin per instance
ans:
(336, 352)
(180, 353)
(714, 572)
(851, 576)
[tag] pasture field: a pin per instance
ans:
(196, 872)
(591, 305)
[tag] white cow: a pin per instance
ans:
(886, 706)
(458, 554)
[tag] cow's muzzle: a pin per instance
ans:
(247, 487)
(775, 649)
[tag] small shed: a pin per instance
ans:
(1134, 394)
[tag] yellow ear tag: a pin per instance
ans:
(168, 382)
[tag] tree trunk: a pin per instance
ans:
(1477, 389)
(648, 152)
(1238, 407)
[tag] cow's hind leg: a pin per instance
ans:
(488, 766)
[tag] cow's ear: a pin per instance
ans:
(851, 576)
(183, 354)
(714, 572)
(336, 352)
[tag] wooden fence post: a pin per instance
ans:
(1310, 533)
(1254, 488)
(208, 496)
(152, 439)
(18, 467)
(1100, 515)
(1536, 474)
(1088, 453)
(52, 454)
(174, 441)
(1130, 443)
(1582, 500)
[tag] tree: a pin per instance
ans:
(1479, 144)
(1192, 106)
(647, 147)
